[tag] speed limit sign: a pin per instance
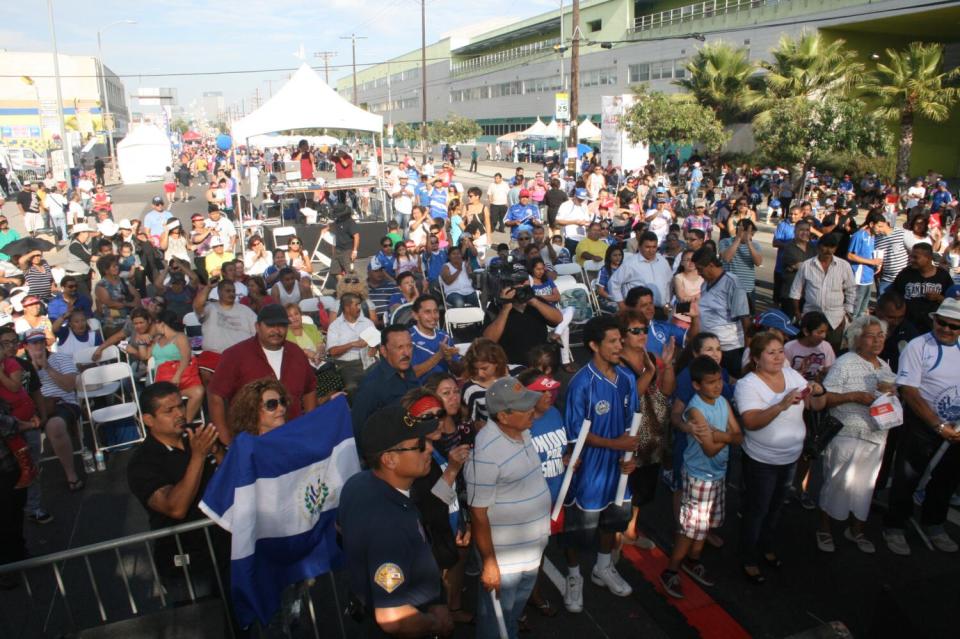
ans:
(562, 106)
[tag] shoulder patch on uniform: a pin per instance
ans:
(389, 577)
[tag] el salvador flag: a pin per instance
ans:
(278, 495)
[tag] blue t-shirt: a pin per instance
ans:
(550, 439)
(939, 199)
(697, 463)
(422, 191)
(425, 347)
(58, 307)
(433, 263)
(518, 213)
(610, 405)
(455, 230)
(659, 333)
(438, 203)
(861, 245)
(784, 233)
(155, 220)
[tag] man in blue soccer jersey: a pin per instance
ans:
(433, 350)
(605, 393)
(522, 216)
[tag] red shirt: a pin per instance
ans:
(21, 405)
(343, 167)
(245, 362)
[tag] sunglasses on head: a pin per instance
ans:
(272, 404)
(944, 324)
(638, 330)
(420, 447)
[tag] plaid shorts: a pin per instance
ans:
(702, 506)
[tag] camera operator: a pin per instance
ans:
(522, 321)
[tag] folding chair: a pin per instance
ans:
(460, 317)
(572, 269)
(94, 325)
(403, 314)
(281, 235)
(566, 283)
(100, 376)
(322, 260)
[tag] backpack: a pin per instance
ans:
(577, 299)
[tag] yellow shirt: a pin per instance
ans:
(596, 248)
(214, 262)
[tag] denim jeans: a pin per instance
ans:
(458, 300)
(882, 287)
(765, 486)
(515, 589)
(863, 299)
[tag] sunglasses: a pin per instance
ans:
(385, 246)
(638, 330)
(272, 404)
(948, 325)
(352, 280)
(523, 238)
(294, 243)
(420, 447)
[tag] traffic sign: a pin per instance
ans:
(562, 106)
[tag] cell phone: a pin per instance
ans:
(682, 307)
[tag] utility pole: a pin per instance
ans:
(64, 141)
(326, 55)
(257, 97)
(574, 72)
(353, 41)
(423, 78)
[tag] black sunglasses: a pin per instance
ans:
(638, 330)
(352, 280)
(294, 243)
(952, 327)
(420, 447)
(272, 404)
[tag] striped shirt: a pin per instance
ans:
(741, 267)
(39, 282)
(895, 256)
(832, 292)
(503, 475)
(63, 364)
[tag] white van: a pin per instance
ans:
(25, 162)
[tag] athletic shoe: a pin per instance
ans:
(807, 501)
(610, 579)
(825, 541)
(573, 595)
(671, 584)
(40, 516)
(896, 542)
(942, 541)
(697, 572)
(864, 544)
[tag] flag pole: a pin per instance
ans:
(627, 456)
(568, 474)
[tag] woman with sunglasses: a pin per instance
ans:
(437, 494)
(655, 383)
(257, 258)
(297, 257)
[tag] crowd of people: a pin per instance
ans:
(685, 372)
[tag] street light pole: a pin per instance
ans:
(64, 141)
(423, 78)
(105, 115)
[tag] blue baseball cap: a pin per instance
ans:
(778, 320)
(581, 194)
(953, 291)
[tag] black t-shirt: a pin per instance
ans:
(29, 201)
(626, 197)
(343, 232)
(523, 331)
(896, 341)
(554, 198)
(914, 287)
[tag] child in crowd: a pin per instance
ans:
(563, 254)
(704, 472)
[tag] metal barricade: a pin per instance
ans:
(118, 580)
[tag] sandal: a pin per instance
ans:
(756, 578)
(75, 485)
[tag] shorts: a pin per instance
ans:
(643, 484)
(613, 518)
(189, 378)
(169, 187)
(208, 361)
(702, 506)
(69, 413)
(341, 263)
(33, 221)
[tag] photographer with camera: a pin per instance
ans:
(522, 321)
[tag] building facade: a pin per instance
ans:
(28, 99)
(507, 77)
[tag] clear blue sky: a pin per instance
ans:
(220, 35)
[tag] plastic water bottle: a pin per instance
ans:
(89, 467)
(101, 463)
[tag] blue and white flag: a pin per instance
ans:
(278, 495)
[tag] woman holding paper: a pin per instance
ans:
(851, 461)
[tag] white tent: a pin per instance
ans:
(587, 130)
(537, 130)
(143, 155)
(305, 102)
(274, 141)
(552, 130)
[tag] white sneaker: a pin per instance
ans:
(896, 542)
(942, 541)
(864, 544)
(610, 579)
(573, 595)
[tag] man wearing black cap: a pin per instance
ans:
(394, 579)
(266, 354)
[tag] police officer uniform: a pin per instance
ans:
(388, 556)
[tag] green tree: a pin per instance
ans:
(662, 122)
(913, 85)
(718, 76)
(403, 132)
(801, 132)
(180, 125)
(462, 129)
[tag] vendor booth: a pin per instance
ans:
(143, 155)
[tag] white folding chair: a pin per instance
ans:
(402, 313)
(281, 235)
(127, 407)
(151, 370)
(94, 325)
(572, 269)
(57, 273)
(459, 317)
(322, 260)
(568, 283)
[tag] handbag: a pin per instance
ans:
(822, 427)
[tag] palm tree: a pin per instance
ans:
(718, 78)
(912, 85)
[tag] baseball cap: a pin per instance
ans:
(30, 300)
(778, 320)
(543, 384)
(273, 315)
(953, 291)
(196, 216)
(700, 204)
(34, 335)
(524, 193)
(580, 194)
(216, 242)
(949, 308)
(508, 394)
(391, 425)
(157, 200)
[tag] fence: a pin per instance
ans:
(116, 582)
(493, 59)
(697, 11)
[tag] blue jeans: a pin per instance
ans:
(515, 589)
(765, 486)
(403, 221)
(458, 300)
(882, 287)
(863, 299)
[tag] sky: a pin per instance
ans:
(175, 36)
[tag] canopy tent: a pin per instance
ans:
(587, 130)
(143, 155)
(537, 130)
(511, 137)
(191, 136)
(305, 102)
(274, 141)
(553, 130)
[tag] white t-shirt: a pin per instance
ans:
(781, 441)
(403, 204)
(275, 359)
(931, 368)
(497, 193)
(809, 360)
(570, 212)
(224, 327)
(461, 285)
